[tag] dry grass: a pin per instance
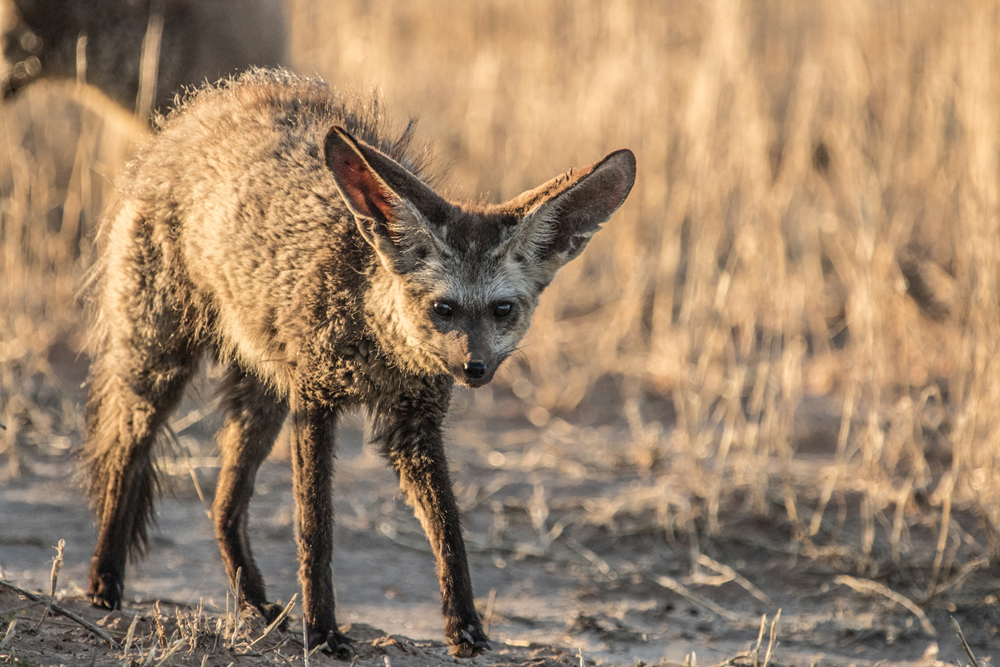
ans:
(802, 166)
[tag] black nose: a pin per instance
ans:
(475, 369)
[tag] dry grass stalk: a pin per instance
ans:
(150, 656)
(760, 638)
(130, 636)
(729, 574)
(965, 644)
(733, 660)
(61, 611)
(488, 614)
(149, 63)
(305, 643)
(57, 563)
(279, 619)
(677, 587)
(869, 587)
(9, 634)
(771, 639)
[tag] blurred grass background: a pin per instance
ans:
(813, 228)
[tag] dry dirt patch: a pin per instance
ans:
(572, 550)
(151, 634)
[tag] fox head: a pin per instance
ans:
(457, 284)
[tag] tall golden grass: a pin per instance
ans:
(802, 167)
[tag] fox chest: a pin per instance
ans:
(352, 374)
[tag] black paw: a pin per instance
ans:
(105, 592)
(338, 646)
(469, 643)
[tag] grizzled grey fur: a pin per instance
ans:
(202, 40)
(277, 227)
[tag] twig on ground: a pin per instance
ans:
(598, 562)
(733, 575)
(730, 661)
(965, 644)
(10, 633)
(61, 611)
(873, 587)
(277, 621)
(278, 646)
(169, 652)
(677, 587)
(150, 656)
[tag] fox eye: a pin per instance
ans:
(443, 308)
(502, 310)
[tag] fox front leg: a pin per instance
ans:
(313, 430)
(409, 433)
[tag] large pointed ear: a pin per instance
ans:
(395, 211)
(559, 217)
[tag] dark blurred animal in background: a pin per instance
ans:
(140, 53)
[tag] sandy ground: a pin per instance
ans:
(567, 554)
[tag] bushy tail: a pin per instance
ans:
(119, 470)
(140, 362)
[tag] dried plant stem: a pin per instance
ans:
(9, 634)
(488, 615)
(733, 575)
(61, 611)
(277, 621)
(869, 587)
(149, 63)
(760, 639)
(770, 641)
(305, 642)
(130, 635)
(57, 564)
(730, 661)
(965, 644)
(677, 587)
